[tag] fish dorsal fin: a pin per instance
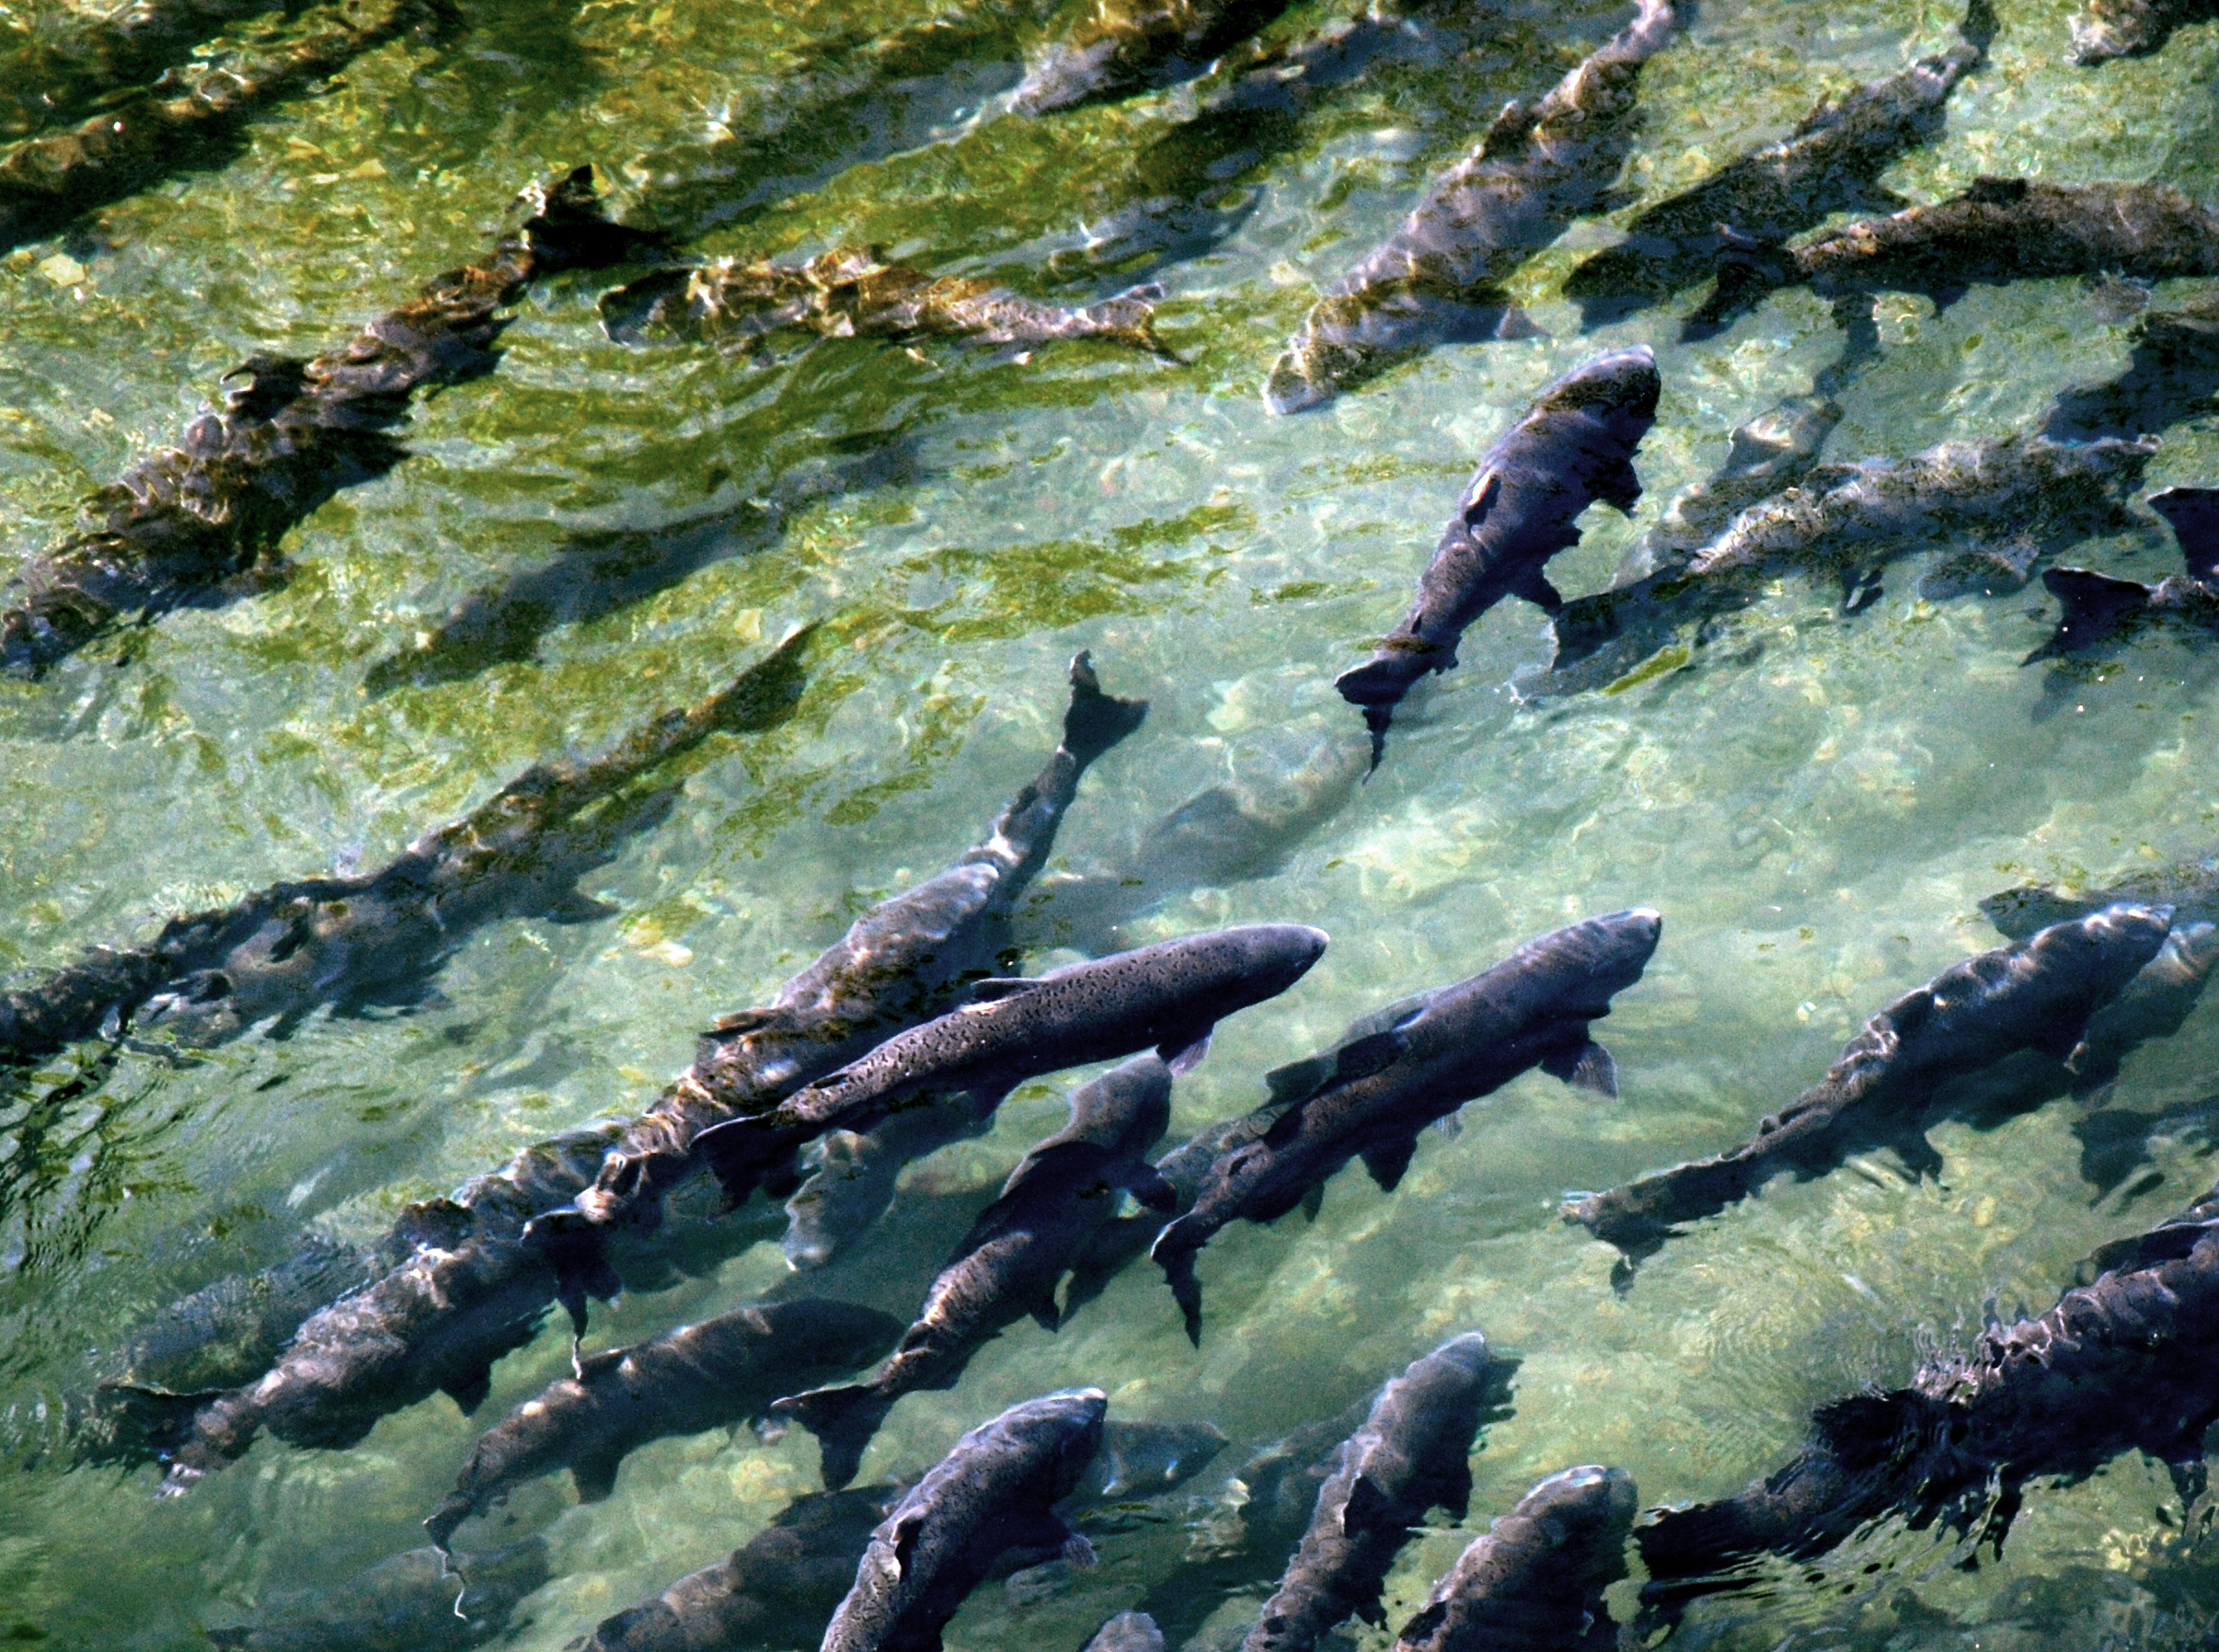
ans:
(905, 1539)
(1390, 1161)
(1507, 130)
(1533, 586)
(1367, 1055)
(1313, 1202)
(470, 1389)
(434, 1224)
(596, 1478)
(1619, 488)
(2194, 515)
(746, 1021)
(1587, 1066)
(1483, 501)
(996, 988)
(1297, 1080)
(1367, 1509)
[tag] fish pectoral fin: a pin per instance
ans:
(1313, 1202)
(1148, 1185)
(1533, 586)
(1515, 324)
(1389, 1161)
(1507, 130)
(1187, 1057)
(1047, 1314)
(1588, 1066)
(468, 1390)
(1297, 1080)
(596, 1478)
(1367, 1509)
(575, 906)
(1619, 488)
(996, 988)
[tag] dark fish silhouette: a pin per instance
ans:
(1411, 1064)
(906, 961)
(1127, 1631)
(1831, 163)
(1011, 1263)
(2122, 1363)
(1439, 279)
(1117, 47)
(1999, 230)
(200, 524)
(2038, 995)
(192, 117)
(1411, 1454)
(1574, 446)
(720, 1372)
(1167, 996)
(2103, 29)
(2100, 608)
(780, 1589)
(382, 937)
(2172, 375)
(993, 1495)
(410, 1603)
(1534, 1582)
(852, 294)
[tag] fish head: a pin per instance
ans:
(1619, 387)
(1253, 962)
(1064, 1428)
(1583, 1506)
(1127, 1109)
(1607, 953)
(2114, 942)
(1147, 1460)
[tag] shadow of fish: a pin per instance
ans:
(851, 293)
(66, 74)
(1411, 1064)
(2101, 608)
(2103, 29)
(1534, 1581)
(901, 963)
(2173, 375)
(2039, 995)
(1411, 1454)
(191, 118)
(721, 1372)
(287, 951)
(1574, 446)
(1999, 230)
(408, 1603)
(199, 525)
(2122, 1363)
(1831, 163)
(1116, 48)
(1168, 997)
(1011, 1263)
(1439, 279)
(993, 1494)
(781, 1588)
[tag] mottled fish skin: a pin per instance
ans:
(1574, 446)
(2172, 375)
(1534, 1582)
(1439, 278)
(1417, 1061)
(2101, 608)
(906, 961)
(200, 524)
(850, 293)
(2038, 995)
(1127, 1631)
(1831, 163)
(1009, 1266)
(993, 1494)
(467, 1293)
(274, 957)
(1119, 47)
(1999, 230)
(720, 1372)
(1241, 829)
(1167, 996)
(2103, 29)
(1411, 1454)
(410, 1603)
(2122, 1363)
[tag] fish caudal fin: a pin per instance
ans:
(1130, 319)
(458, 1508)
(1097, 721)
(1173, 1252)
(845, 1421)
(1748, 269)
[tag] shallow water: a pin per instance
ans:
(1816, 807)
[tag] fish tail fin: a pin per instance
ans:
(440, 1524)
(1174, 1252)
(1130, 319)
(2095, 606)
(1096, 721)
(845, 1421)
(1748, 268)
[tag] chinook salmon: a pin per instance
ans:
(408, 1604)
(993, 1495)
(1999, 230)
(2123, 1362)
(1167, 996)
(1116, 48)
(1410, 1065)
(63, 79)
(1011, 1263)
(1831, 163)
(1574, 446)
(906, 961)
(200, 524)
(722, 1372)
(274, 957)
(851, 293)
(2100, 608)
(1411, 1454)
(1534, 1582)
(2041, 995)
(1439, 279)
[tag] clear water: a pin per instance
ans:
(1817, 819)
